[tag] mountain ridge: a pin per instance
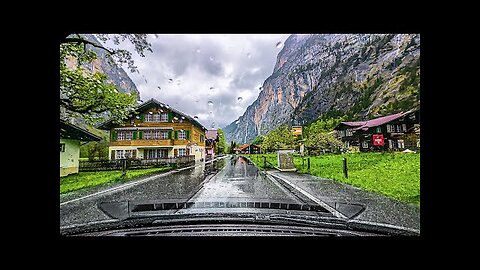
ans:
(359, 75)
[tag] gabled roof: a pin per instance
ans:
(243, 146)
(364, 125)
(154, 103)
(70, 131)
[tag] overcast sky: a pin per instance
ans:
(187, 71)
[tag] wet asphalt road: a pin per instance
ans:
(223, 180)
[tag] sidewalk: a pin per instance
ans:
(379, 208)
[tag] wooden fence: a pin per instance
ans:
(132, 164)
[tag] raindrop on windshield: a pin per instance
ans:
(211, 58)
(211, 87)
(178, 82)
(213, 124)
(197, 50)
(210, 112)
(249, 55)
(159, 88)
(261, 88)
(170, 80)
(197, 100)
(239, 99)
(210, 103)
(236, 123)
(279, 44)
(156, 35)
(195, 117)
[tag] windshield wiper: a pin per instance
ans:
(131, 209)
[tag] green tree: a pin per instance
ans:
(258, 140)
(87, 94)
(221, 146)
(281, 137)
(233, 145)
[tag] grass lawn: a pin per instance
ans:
(91, 179)
(394, 174)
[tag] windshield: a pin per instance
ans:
(301, 130)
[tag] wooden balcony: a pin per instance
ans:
(167, 142)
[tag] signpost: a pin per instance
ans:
(285, 161)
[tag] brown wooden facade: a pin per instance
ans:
(156, 131)
(400, 131)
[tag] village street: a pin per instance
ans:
(233, 179)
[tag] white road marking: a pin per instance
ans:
(311, 197)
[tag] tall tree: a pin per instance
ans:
(87, 94)
(221, 146)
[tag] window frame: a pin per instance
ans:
(364, 144)
(164, 117)
(180, 150)
(163, 135)
(182, 135)
(122, 156)
(120, 136)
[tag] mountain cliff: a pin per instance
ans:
(358, 75)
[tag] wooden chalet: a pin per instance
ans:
(394, 132)
(249, 149)
(156, 131)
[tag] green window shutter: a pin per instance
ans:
(176, 135)
(169, 134)
(142, 117)
(134, 135)
(140, 135)
(114, 136)
(187, 134)
(170, 116)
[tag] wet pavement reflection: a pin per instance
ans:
(240, 180)
(229, 179)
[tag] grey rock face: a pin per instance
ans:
(361, 75)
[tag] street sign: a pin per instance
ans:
(378, 140)
(297, 130)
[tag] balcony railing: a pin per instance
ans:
(108, 165)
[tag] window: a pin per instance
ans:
(120, 154)
(147, 135)
(164, 135)
(390, 128)
(404, 127)
(164, 117)
(182, 152)
(182, 135)
(156, 153)
(401, 144)
(365, 144)
(62, 147)
(128, 135)
(128, 153)
(348, 132)
(121, 136)
(379, 130)
(156, 117)
(148, 117)
(202, 138)
(390, 144)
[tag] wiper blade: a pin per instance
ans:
(128, 209)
